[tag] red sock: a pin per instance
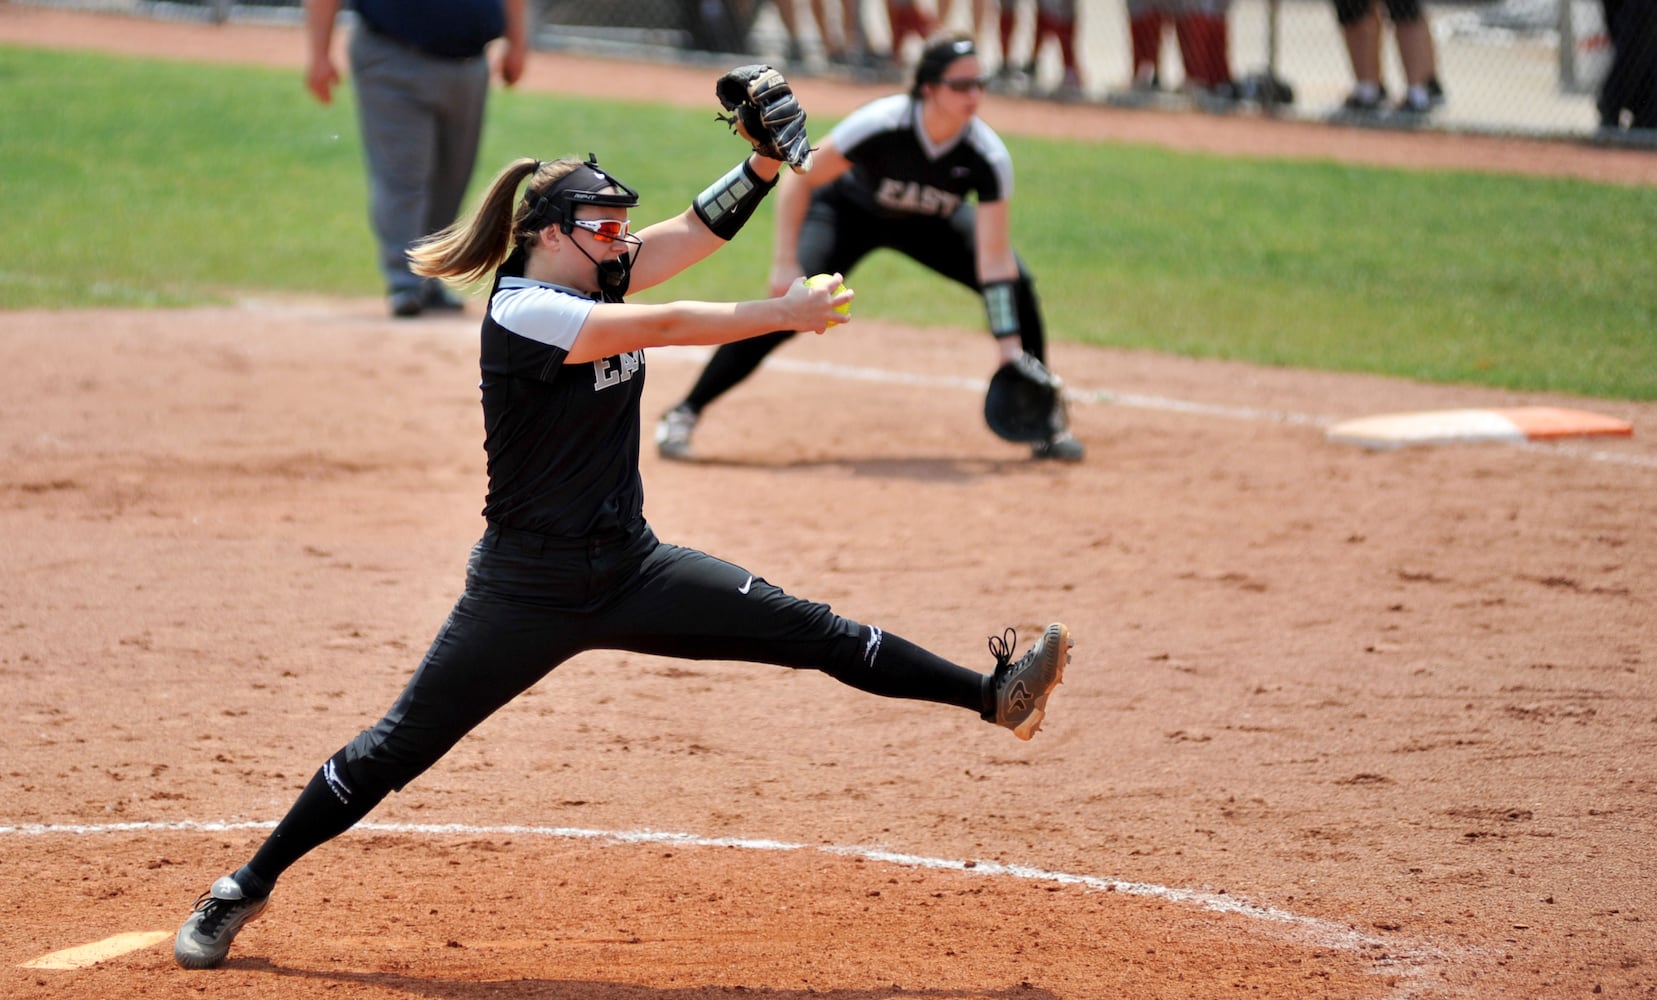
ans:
(1216, 47)
(1064, 32)
(1203, 62)
(907, 20)
(1145, 31)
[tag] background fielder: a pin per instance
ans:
(901, 173)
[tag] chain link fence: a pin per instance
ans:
(1525, 67)
(1514, 66)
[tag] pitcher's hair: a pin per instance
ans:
(470, 249)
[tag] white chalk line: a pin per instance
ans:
(1138, 401)
(1165, 404)
(860, 373)
(1407, 960)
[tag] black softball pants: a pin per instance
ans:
(532, 602)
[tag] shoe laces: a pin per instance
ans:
(214, 912)
(1001, 647)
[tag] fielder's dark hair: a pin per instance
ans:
(941, 50)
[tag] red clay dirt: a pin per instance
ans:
(1339, 724)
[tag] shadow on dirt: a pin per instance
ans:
(917, 469)
(569, 989)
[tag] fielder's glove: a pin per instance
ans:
(764, 112)
(1025, 402)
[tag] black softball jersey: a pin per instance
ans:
(562, 440)
(898, 171)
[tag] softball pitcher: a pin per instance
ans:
(567, 562)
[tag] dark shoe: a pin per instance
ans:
(1006, 79)
(439, 299)
(1266, 89)
(1022, 688)
(1219, 98)
(221, 911)
(1061, 447)
(1413, 105)
(1361, 104)
(407, 303)
(1070, 89)
(1141, 92)
(1423, 101)
(1360, 109)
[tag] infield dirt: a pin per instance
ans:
(1397, 707)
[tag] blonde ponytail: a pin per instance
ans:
(471, 249)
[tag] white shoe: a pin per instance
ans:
(221, 911)
(673, 433)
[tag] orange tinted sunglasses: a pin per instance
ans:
(604, 230)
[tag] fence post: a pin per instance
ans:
(1269, 100)
(1567, 46)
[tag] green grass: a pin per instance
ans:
(149, 183)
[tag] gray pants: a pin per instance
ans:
(421, 119)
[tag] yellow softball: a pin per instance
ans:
(824, 281)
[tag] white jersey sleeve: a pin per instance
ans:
(543, 313)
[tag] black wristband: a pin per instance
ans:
(726, 204)
(1001, 305)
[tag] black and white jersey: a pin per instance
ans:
(562, 440)
(898, 171)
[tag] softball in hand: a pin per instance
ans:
(824, 281)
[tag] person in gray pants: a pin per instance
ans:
(421, 72)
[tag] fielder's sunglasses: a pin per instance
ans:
(604, 230)
(963, 85)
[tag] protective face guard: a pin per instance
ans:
(587, 184)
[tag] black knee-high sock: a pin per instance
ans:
(730, 365)
(1031, 331)
(325, 809)
(893, 667)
